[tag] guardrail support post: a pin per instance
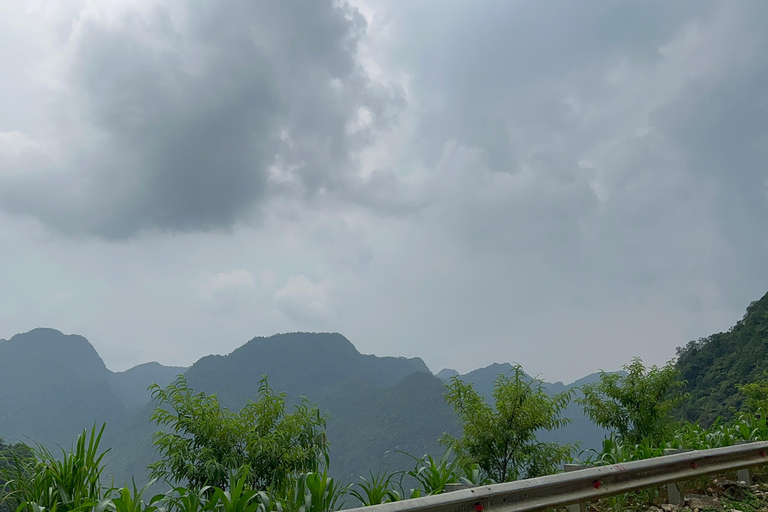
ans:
(674, 496)
(567, 468)
(743, 475)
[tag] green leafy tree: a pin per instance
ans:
(501, 439)
(637, 406)
(755, 396)
(203, 442)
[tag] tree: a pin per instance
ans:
(208, 443)
(637, 406)
(755, 396)
(501, 438)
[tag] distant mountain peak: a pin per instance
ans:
(154, 365)
(446, 373)
(310, 340)
(41, 331)
(52, 341)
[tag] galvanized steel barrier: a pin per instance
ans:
(585, 485)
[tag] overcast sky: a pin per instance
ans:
(560, 184)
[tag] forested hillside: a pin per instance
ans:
(714, 366)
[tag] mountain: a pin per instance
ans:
(378, 407)
(131, 385)
(446, 373)
(53, 386)
(714, 366)
(297, 364)
(375, 404)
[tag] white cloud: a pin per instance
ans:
(211, 285)
(305, 301)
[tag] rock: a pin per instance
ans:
(668, 507)
(734, 490)
(703, 502)
(731, 483)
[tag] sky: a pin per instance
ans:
(565, 185)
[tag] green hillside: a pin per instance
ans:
(714, 366)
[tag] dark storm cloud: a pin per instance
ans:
(187, 117)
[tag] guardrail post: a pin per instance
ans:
(743, 475)
(674, 496)
(567, 468)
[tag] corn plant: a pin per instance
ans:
(189, 500)
(314, 492)
(123, 500)
(379, 489)
(616, 451)
(433, 475)
(237, 498)
(473, 474)
(69, 484)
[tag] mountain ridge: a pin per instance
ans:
(376, 405)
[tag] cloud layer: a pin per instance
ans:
(561, 185)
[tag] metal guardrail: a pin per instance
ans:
(585, 485)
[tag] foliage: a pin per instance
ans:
(755, 395)
(717, 365)
(69, 483)
(635, 406)
(501, 439)
(208, 442)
